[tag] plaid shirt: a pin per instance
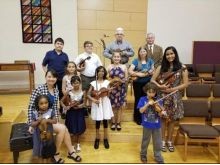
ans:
(42, 90)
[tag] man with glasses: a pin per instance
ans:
(119, 45)
(88, 67)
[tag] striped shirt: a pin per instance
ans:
(42, 90)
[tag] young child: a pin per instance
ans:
(151, 112)
(66, 84)
(70, 71)
(101, 109)
(118, 94)
(42, 119)
(73, 101)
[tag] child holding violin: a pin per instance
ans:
(171, 76)
(42, 119)
(118, 74)
(101, 109)
(74, 101)
(151, 112)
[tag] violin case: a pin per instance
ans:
(20, 139)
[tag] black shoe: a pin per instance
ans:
(106, 144)
(96, 144)
(138, 122)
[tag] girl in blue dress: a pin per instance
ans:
(42, 119)
(74, 102)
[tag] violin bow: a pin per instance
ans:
(165, 96)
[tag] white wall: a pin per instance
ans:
(64, 24)
(180, 22)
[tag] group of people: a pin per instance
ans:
(73, 86)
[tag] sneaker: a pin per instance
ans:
(160, 162)
(106, 144)
(143, 159)
(78, 148)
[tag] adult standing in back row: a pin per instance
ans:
(155, 52)
(119, 45)
(57, 60)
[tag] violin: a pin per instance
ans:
(82, 62)
(44, 134)
(100, 93)
(74, 103)
(157, 108)
(115, 82)
(169, 77)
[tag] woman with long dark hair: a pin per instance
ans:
(171, 77)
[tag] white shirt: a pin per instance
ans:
(90, 65)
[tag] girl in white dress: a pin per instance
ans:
(101, 109)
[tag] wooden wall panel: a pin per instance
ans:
(95, 4)
(112, 20)
(130, 5)
(138, 21)
(99, 17)
(87, 19)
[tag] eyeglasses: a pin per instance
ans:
(119, 34)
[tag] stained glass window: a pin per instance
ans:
(36, 21)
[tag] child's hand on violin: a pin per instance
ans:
(95, 101)
(151, 102)
(163, 113)
(164, 86)
(66, 108)
(168, 90)
(31, 130)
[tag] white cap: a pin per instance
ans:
(119, 30)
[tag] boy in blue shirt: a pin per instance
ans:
(151, 123)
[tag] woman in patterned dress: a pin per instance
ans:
(118, 93)
(173, 103)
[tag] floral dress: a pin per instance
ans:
(118, 94)
(173, 104)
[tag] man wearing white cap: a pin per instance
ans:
(119, 45)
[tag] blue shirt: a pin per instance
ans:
(123, 45)
(144, 67)
(150, 118)
(56, 62)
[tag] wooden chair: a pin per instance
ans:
(215, 118)
(217, 67)
(216, 90)
(197, 132)
(193, 76)
(217, 77)
(196, 91)
(206, 72)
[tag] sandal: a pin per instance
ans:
(170, 146)
(163, 148)
(113, 126)
(59, 161)
(71, 155)
(118, 126)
